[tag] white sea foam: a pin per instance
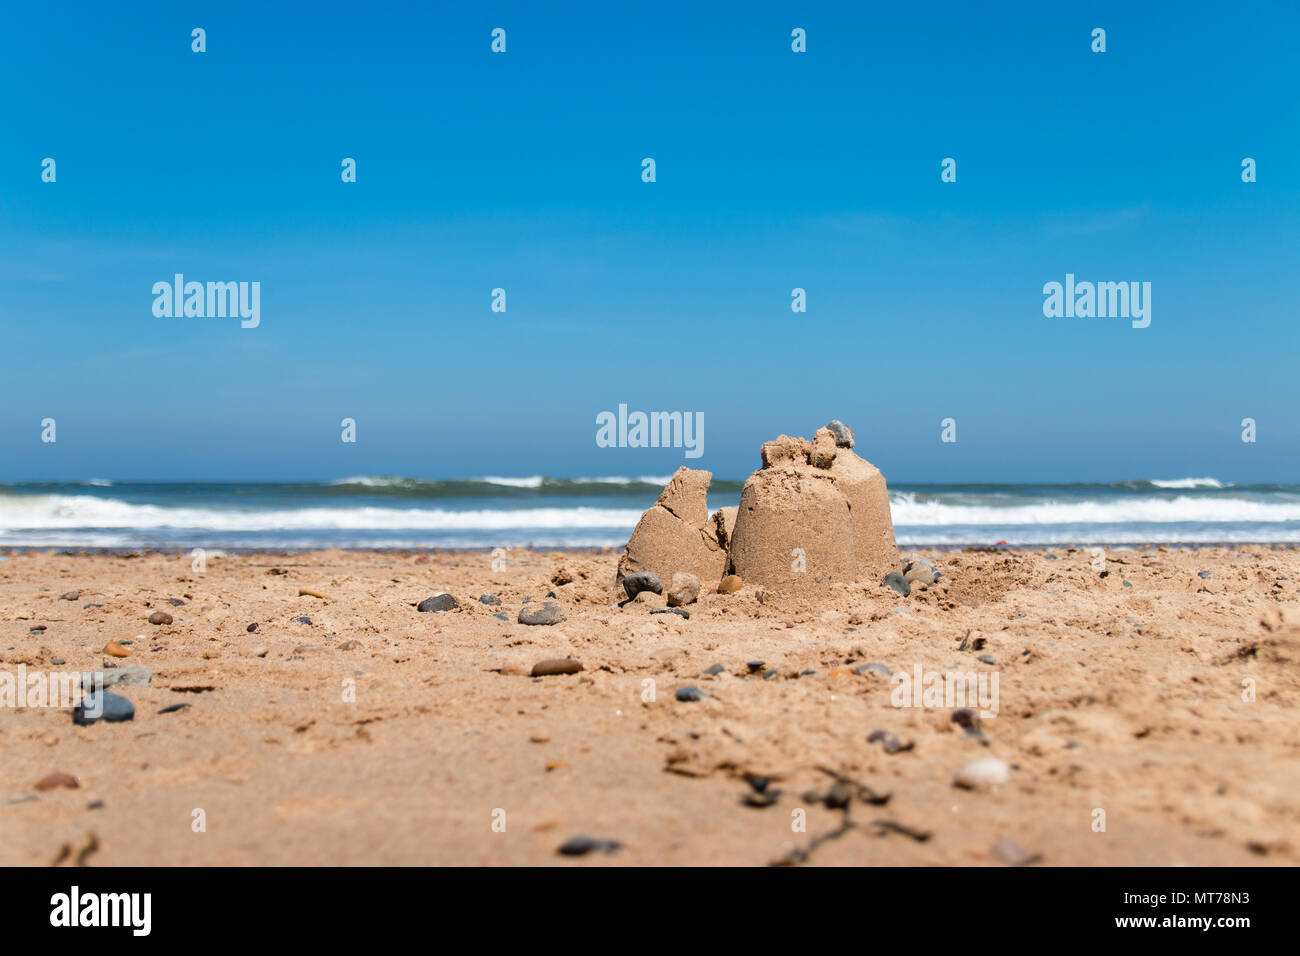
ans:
(907, 510)
(75, 511)
(1180, 483)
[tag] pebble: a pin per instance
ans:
(501, 617)
(920, 571)
(582, 845)
(547, 612)
(103, 706)
(1009, 851)
(874, 667)
(730, 584)
(892, 743)
(160, 617)
(87, 607)
(679, 611)
(252, 627)
(899, 583)
(70, 596)
(684, 589)
(1202, 574)
(843, 433)
(172, 708)
(715, 670)
(965, 717)
(838, 797)
(440, 602)
(987, 659)
(126, 676)
(754, 665)
(299, 620)
(983, 773)
(57, 661)
(175, 602)
(114, 649)
(634, 584)
(38, 629)
(689, 694)
(56, 780)
(491, 599)
(556, 665)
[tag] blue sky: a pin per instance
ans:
(775, 170)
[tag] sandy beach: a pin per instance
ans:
(1146, 713)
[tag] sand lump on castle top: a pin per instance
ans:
(814, 515)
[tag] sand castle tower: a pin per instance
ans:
(813, 515)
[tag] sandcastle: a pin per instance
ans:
(815, 514)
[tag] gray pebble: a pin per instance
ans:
(689, 694)
(634, 584)
(582, 845)
(299, 620)
(843, 433)
(133, 676)
(172, 708)
(899, 583)
(57, 661)
(491, 599)
(440, 602)
(874, 667)
(754, 665)
(986, 659)
(103, 706)
(1202, 574)
(715, 670)
(501, 617)
(679, 611)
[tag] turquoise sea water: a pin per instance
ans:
(489, 512)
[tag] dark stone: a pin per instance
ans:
(491, 599)
(501, 617)
(838, 797)
(175, 602)
(302, 620)
(103, 706)
(634, 584)
(440, 602)
(252, 627)
(843, 433)
(715, 670)
(890, 741)
(1202, 574)
(173, 708)
(754, 665)
(160, 617)
(679, 611)
(582, 845)
(689, 694)
(986, 659)
(899, 583)
(965, 717)
(87, 607)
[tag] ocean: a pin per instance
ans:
(493, 512)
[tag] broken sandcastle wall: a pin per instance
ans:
(815, 514)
